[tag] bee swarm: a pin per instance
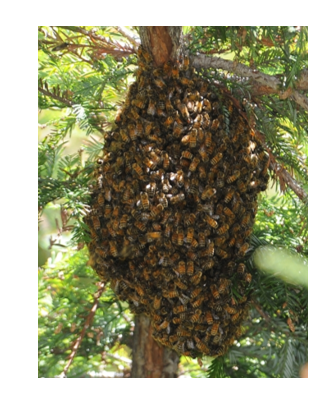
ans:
(174, 206)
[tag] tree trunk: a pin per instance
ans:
(150, 360)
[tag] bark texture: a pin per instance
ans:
(150, 360)
(164, 42)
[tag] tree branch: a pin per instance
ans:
(58, 98)
(271, 83)
(293, 184)
(87, 323)
(261, 311)
(123, 31)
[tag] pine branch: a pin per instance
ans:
(123, 32)
(111, 45)
(86, 326)
(285, 177)
(54, 96)
(268, 82)
(261, 311)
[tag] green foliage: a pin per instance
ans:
(84, 73)
(66, 289)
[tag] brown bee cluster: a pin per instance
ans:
(174, 206)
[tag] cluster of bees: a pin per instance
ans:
(174, 205)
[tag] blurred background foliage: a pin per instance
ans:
(84, 74)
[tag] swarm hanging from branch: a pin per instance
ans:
(174, 206)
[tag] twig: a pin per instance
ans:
(86, 326)
(268, 81)
(51, 95)
(123, 31)
(261, 311)
(288, 179)
(96, 38)
(120, 358)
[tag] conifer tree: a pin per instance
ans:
(84, 75)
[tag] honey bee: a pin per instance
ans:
(144, 54)
(170, 294)
(168, 121)
(208, 318)
(190, 268)
(179, 309)
(235, 317)
(201, 346)
(194, 164)
(203, 154)
(113, 249)
(230, 310)
(202, 172)
(164, 324)
(221, 253)
(140, 225)
(123, 221)
(124, 135)
(194, 243)
(175, 72)
(137, 169)
(181, 285)
(243, 249)
(178, 198)
(208, 193)
(187, 155)
(100, 199)
(228, 213)
(241, 269)
(224, 283)
(214, 292)
(215, 125)
(139, 290)
(245, 220)
(151, 110)
(159, 83)
(181, 332)
(195, 292)
(216, 159)
(201, 239)
(206, 121)
(195, 317)
(178, 129)
(139, 103)
(198, 302)
(183, 109)
(248, 277)
(206, 105)
(233, 177)
(96, 222)
(214, 329)
(156, 210)
(144, 200)
(196, 278)
(211, 222)
(229, 196)
(181, 267)
(190, 235)
(173, 338)
(180, 178)
(154, 235)
(223, 229)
